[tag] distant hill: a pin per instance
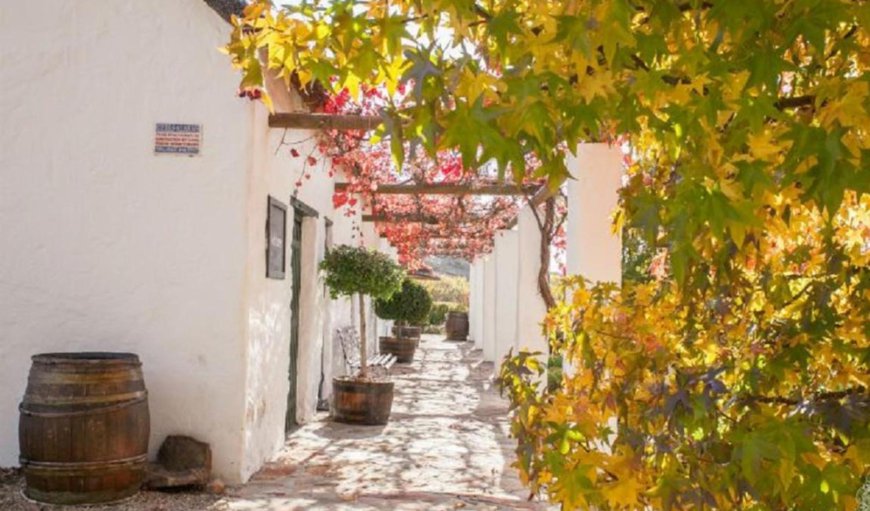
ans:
(449, 266)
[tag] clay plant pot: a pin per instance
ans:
(402, 347)
(413, 332)
(361, 401)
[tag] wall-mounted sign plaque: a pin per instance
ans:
(177, 139)
(276, 236)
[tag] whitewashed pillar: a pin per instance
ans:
(385, 326)
(475, 304)
(531, 308)
(489, 299)
(506, 252)
(312, 297)
(594, 250)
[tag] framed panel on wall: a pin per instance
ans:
(276, 239)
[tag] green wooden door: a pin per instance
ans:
(296, 275)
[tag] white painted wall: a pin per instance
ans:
(268, 300)
(489, 304)
(475, 303)
(531, 308)
(594, 250)
(106, 246)
(506, 263)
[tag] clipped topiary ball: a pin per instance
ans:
(410, 305)
(351, 270)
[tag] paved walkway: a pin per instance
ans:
(445, 448)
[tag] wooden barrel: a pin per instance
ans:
(84, 426)
(361, 402)
(402, 347)
(407, 331)
(457, 326)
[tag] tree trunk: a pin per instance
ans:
(363, 352)
(546, 239)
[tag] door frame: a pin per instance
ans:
(297, 249)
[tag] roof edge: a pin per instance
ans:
(226, 8)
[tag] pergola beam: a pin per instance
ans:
(393, 219)
(316, 121)
(539, 198)
(447, 189)
(414, 218)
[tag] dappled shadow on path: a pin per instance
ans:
(445, 447)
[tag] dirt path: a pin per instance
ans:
(446, 447)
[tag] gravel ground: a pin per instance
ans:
(11, 499)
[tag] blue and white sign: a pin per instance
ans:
(177, 139)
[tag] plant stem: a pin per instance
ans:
(363, 352)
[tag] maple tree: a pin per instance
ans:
(735, 375)
(748, 396)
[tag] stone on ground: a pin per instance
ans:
(181, 461)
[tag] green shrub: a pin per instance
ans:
(448, 289)
(410, 305)
(458, 307)
(438, 315)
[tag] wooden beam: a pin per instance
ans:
(393, 219)
(414, 218)
(539, 198)
(315, 121)
(447, 189)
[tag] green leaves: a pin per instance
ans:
(351, 270)
(747, 202)
(411, 304)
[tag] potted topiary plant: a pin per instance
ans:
(360, 398)
(409, 306)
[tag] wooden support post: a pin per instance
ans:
(447, 189)
(539, 198)
(315, 121)
(409, 218)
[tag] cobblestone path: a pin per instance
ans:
(445, 447)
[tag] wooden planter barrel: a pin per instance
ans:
(402, 347)
(413, 332)
(361, 402)
(457, 326)
(83, 428)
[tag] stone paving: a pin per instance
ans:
(445, 447)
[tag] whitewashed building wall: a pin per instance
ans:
(108, 247)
